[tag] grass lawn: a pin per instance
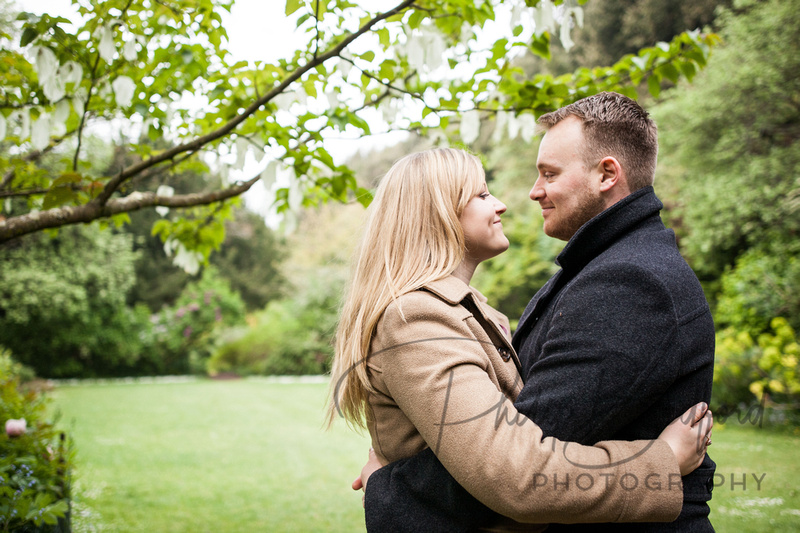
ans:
(251, 455)
(211, 456)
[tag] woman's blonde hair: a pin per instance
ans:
(413, 236)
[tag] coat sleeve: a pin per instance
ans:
(437, 373)
(605, 361)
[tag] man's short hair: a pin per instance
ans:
(614, 125)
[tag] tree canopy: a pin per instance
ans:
(160, 71)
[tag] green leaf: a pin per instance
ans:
(292, 6)
(320, 8)
(654, 85)
(416, 19)
(688, 70)
(541, 46)
(670, 72)
(58, 196)
(28, 35)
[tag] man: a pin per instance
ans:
(618, 343)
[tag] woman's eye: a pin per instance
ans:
(484, 195)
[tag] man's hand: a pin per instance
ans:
(361, 482)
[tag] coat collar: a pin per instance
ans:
(452, 290)
(599, 232)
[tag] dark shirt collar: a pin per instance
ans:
(602, 230)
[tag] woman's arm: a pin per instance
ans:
(420, 487)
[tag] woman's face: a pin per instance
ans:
(483, 230)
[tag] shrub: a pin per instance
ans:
(184, 335)
(34, 459)
(764, 369)
(290, 337)
(62, 302)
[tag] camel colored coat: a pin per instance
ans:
(445, 377)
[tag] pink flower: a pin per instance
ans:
(16, 427)
(180, 312)
(187, 332)
(217, 314)
(193, 307)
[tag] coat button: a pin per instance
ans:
(504, 352)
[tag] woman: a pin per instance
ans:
(424, 362)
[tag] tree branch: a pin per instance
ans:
(201, 141)
(62, 216)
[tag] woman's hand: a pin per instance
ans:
(373, 464)
(689, 435)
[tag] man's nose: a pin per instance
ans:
(537, 192)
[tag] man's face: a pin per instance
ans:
(566, 189)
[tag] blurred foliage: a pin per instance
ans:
(729, 176)
(34, 466)
(63, 312)
(730, 149)
(291, 336)
(620, 27)
(762, 370)
(184, 335)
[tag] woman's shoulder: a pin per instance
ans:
(420, 304)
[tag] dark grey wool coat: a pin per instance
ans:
(617, 344)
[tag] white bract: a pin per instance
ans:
(242, 147)
(61, 112)
(129, 50)
(70, 72)
(187, 260)
(105, 45)
(53, 88)
(123, 90)
(269, 175)
(500, 122)
(470, 126)
(40, 132)
(46, 62)
(527, 126)
(164, 190)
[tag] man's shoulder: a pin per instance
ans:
(654, 256)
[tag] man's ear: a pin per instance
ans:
(612, 175)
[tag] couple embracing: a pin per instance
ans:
(593, 416)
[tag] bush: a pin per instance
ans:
(184, 335)
(764, 369)
(34, 459)
(62, 302)
(290, 337)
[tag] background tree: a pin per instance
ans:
(62, 303)
(136, 61)
(729, 175)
